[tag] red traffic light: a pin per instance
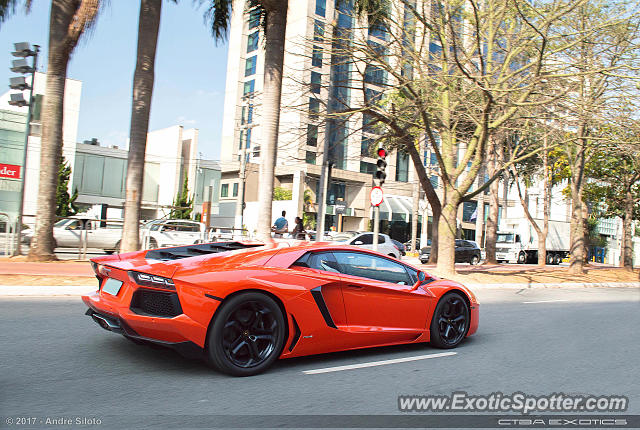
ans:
(382, 153)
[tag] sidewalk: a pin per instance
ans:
(58, 268)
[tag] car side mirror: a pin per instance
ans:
(358, 242)
(421, 278)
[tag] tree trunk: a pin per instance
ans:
(430, 193)
(148, 26)
(414, 216)
(62, 14)
(491, 231)
(576, 263)
(546, 196)
(275, 32)
(447, 234)
(626, 256)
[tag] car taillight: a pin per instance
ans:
(148, 280)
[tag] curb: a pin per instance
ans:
(44, 290)
(78, 290)
(525, 285)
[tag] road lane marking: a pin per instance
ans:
(377, 363)
(546, 301)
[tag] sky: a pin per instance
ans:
(189, 75)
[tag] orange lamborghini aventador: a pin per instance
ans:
(243, 305)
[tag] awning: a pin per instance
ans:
(398, 208)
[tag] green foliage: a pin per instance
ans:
(65, 203)
(280, 193)
(309, 220)
(183, 203)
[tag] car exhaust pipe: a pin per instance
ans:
(105, 323)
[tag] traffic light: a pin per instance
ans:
(382, 165)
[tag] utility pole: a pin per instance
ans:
(23, 50)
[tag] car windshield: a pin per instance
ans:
(61, 223)
(505, 237)
(342, 237)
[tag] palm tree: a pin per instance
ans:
(68, 21)
(143, 77)
(218, 14)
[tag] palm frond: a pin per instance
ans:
(218, 17)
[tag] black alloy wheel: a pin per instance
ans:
(474, 260)
(450, 321)
(247, 335)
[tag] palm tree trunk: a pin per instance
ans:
(148, 27)
(68, 20)
(275, 31)
(626, 256)
(447, 233)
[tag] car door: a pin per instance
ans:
(322, 271)
(378, 295)
(460, 252)
(69, 235)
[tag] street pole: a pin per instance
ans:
(376, 226)
(240, 201)
(24, 155)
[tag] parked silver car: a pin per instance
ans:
(365, 240)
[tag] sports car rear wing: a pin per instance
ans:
(178, 252)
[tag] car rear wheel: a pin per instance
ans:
(247, 335)
(557, 259)
(550, 258)
(474, 260)
(450, 321)
(522, 258)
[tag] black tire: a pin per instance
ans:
(474, 260)
(450, 321)
(557, 259)
(153, 244)
(254, 323)
(522, 258)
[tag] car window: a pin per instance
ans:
(381, 239)
(470, 244)
(319, 261)
(459, 243)
(372, 267)
(190, 227)
(74, 225)
(366, 239)
(413, 274)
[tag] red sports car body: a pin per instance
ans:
(243, 305)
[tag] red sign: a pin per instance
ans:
(10, 171)
(376, 196)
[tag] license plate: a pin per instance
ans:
(112, 286)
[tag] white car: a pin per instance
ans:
(172, 232)
(365, 240)
(71, 233)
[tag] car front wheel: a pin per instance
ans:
(474, 260)
(247, 335)
(450, 321)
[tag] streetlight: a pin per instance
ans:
(23, 50)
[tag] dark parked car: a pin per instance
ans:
(400, 246)
(467, 251)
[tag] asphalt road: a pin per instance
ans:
(56, 362)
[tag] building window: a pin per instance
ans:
(224, 190)
(312, 135)
(241, 140)
(250, 66)
(249, 87)
(316, 82)
(247, 115)
(318, 30)
(402, 167)
(235, 189)
(434, 159)
(311, 157)
(254, 18)
(365, 146)
(378, 30)
(316, 56)
(252, 41)
(375, 75)
(314, 108)
(367, 167)
(321, 7)
(248, 139)
(469, 211)
(434, 181)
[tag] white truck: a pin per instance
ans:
(518, 241)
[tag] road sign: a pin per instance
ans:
(340, 208)
(377, 196)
